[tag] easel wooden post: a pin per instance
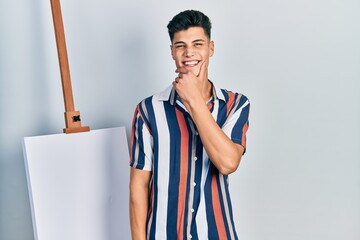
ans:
(72, 117)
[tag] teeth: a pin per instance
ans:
(191, 63)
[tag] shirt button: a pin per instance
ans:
(196, 133)
(190, 236)
(192, 210)
(194, 183)
(195, 158)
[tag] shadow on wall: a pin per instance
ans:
(24, 107)
(40, 87)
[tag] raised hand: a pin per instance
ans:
(192, 89)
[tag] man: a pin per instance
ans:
(185, 142)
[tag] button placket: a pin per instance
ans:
(193, 159)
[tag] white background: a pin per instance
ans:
(297, 61)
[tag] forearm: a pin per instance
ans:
(223, 152)
(138, 210)
(194, 91)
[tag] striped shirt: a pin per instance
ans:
(188, 198)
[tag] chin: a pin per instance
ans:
(195, 71)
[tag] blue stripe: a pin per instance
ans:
(242, 101)
(218, 176)
(221, 116)
(226, 94)
(230, 207)
(174, 171)
(138, 143)
(141, 157)
(142, 112)
(210, 217)
(197, 180)
(198, 171)
(133, 131)
(237, 132)
(153, 126)
(194, 232)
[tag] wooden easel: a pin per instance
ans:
(72, 117)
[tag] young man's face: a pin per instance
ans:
(190, 48)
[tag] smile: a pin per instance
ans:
(191, 63)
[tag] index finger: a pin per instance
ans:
(181, 70)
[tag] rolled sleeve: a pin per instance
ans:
(237, 123)
(141, 154)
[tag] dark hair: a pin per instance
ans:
(187, 19)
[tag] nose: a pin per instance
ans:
(189, 52)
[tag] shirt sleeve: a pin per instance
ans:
(141, 143)
(237, 122)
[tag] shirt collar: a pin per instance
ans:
(169, 94)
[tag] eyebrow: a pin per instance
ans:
(195, 41)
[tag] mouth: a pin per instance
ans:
(190, 63)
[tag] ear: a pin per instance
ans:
(172, 53)
(211, 45)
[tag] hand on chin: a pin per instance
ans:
(195, 70)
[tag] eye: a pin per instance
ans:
(179, 46)
(198, 44)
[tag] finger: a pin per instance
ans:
(203, 70)
(182, 70)
(176, 83)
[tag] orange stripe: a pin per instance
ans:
(183, 172)
(243, 138)
(230, 102)
(217, 208)
(210, 105)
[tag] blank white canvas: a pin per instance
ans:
(78, 185)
